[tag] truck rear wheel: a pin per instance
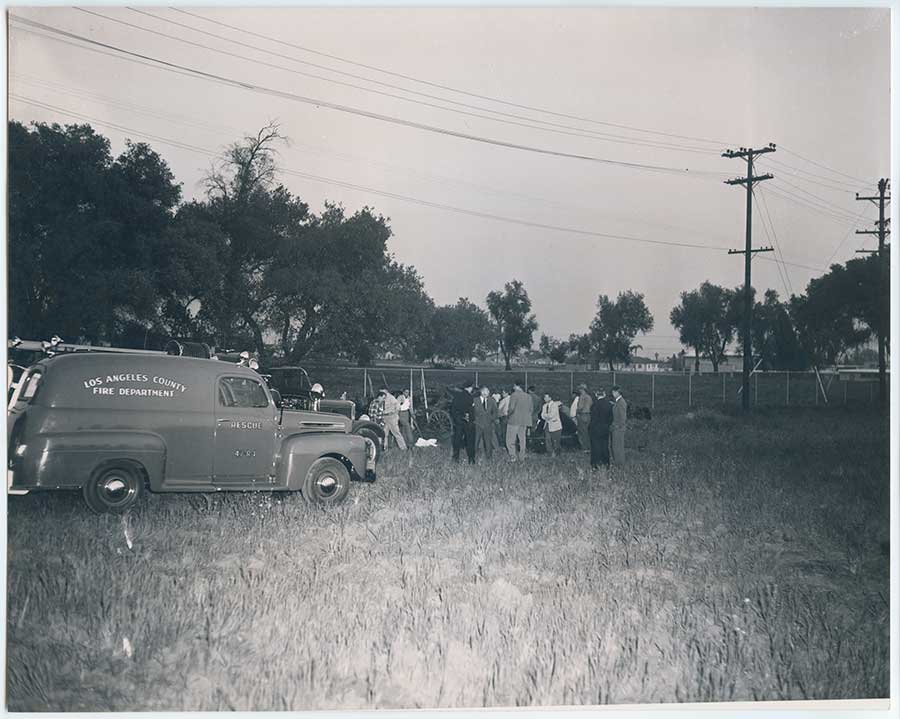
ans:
(114, 489)
(327, 483)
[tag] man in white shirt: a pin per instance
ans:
(391, 419)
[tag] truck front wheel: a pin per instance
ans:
(114, 489)
(327, 483)
(372, 436)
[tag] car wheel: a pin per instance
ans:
(373, 439)
(115, 489)
(441, 424)
(327, 483)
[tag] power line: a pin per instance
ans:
(383, 193)
(532, 108)
(578, 132)
(817, 209)
(806, 176)
(326, 180)
(844, 240)
(145, 110)
(253, 87)
(823, 200)
(529, 121)
(824, 167)
(773, 240)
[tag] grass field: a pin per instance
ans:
(731, 560)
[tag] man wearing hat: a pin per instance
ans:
(583, 417)
(461, 414)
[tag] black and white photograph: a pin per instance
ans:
(417, 357)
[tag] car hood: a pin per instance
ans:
(298, 421)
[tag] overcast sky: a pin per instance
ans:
(813, 81)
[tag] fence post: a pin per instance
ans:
(613, 376)
(365, 381)
(571, 382)
(817, 390)
(476, 378)
(723, 389)
(870, 393)
(526, 381)
(787, 390)
(756, 389)
(652, 391)
(410, 384)
(845, 393)
(690, 389)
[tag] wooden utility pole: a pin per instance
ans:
(748, 253)
(884, 282)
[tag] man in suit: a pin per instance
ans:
(518, 418)
(461, 414)
(601, 419)
(484, 411)
(617, 433)
(583, 417)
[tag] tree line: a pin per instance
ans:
(105, 249)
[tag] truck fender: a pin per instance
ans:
(69, 459)
(299, 451)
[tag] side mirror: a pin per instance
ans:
(276, 396)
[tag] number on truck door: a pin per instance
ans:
(246, 431)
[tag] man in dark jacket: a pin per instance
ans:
(601, 419)
(463, 429)
(484, 412)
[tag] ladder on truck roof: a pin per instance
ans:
(57, 346)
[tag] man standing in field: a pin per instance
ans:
(391, 418)
(461, 414)
(552, 424)
(502, 414)
(601, 419)
(617, 433)
(518, 422)
(484, 411)
(406, 418)
(583, 417)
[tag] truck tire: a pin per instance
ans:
(373, 436)
(114, 489)
(327, 483)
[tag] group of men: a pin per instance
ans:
(482, 421)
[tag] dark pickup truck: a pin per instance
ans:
(117, 425)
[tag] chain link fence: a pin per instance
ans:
(664, 391)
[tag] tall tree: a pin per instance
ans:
(838, 312)
(775, 341)
(461, 331)
(553, 349)
(704, 320)
(514, 324)
(256, 218)
(616, 325)
(85, 232)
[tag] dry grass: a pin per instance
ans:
(732, 561)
